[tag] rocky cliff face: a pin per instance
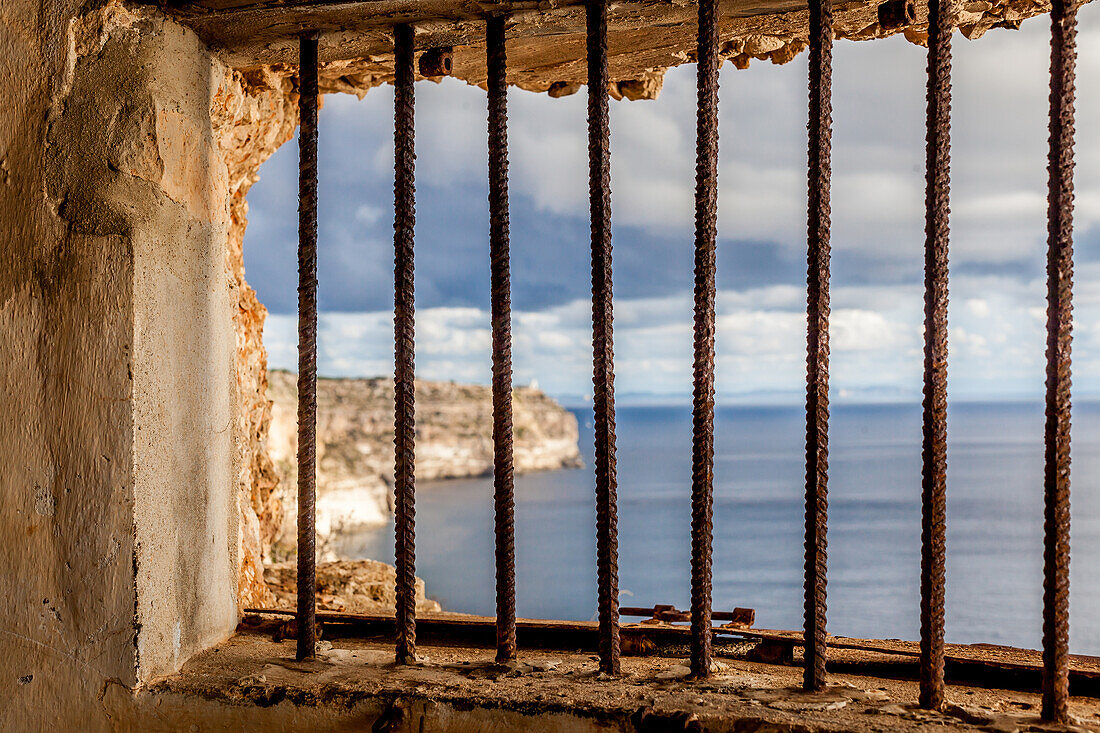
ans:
(355, 444)
(352, 586)
(252, 115)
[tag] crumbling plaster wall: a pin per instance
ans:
(66, 540)
(66, 474)
(252, 115)
(119, 447)
(546, 40)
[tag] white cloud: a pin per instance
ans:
(978, 307)
(368, 214)
(996, 342)
(998, 218)
(864, 330)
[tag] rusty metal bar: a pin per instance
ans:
(934, 449)
(996, 666)
(743, 617)
(706, 233)
(1063, 57)
(307, 347)
(603, 353)
(404, 418)
(817, 338)
(503, 483)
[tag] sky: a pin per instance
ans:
(998, 229)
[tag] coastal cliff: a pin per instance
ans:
(355, 445)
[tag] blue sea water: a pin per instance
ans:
(995, 515)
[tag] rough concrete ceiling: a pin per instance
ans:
(546, 48)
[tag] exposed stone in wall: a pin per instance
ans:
(546, 48)
(352, 586)
(253, 114)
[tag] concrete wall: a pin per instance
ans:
(118, 526)
(184, 357)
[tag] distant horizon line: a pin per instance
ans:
(761, 398)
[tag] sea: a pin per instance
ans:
(994, 523)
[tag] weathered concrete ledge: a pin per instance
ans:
(546, 40)
(253, 681)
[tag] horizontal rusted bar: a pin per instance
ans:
(451, 629)
(480, 631)
(744, 616)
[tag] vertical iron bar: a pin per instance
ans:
(404, 193)
(1063, 18)
(934, 453)
(817, 339)
(706, 233)
(603, 357)
(503, 489)
(307, 347)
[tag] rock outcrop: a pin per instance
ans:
(352, 586)
(355, 444)
(253, 114)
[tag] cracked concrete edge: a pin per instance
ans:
(546, 45)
